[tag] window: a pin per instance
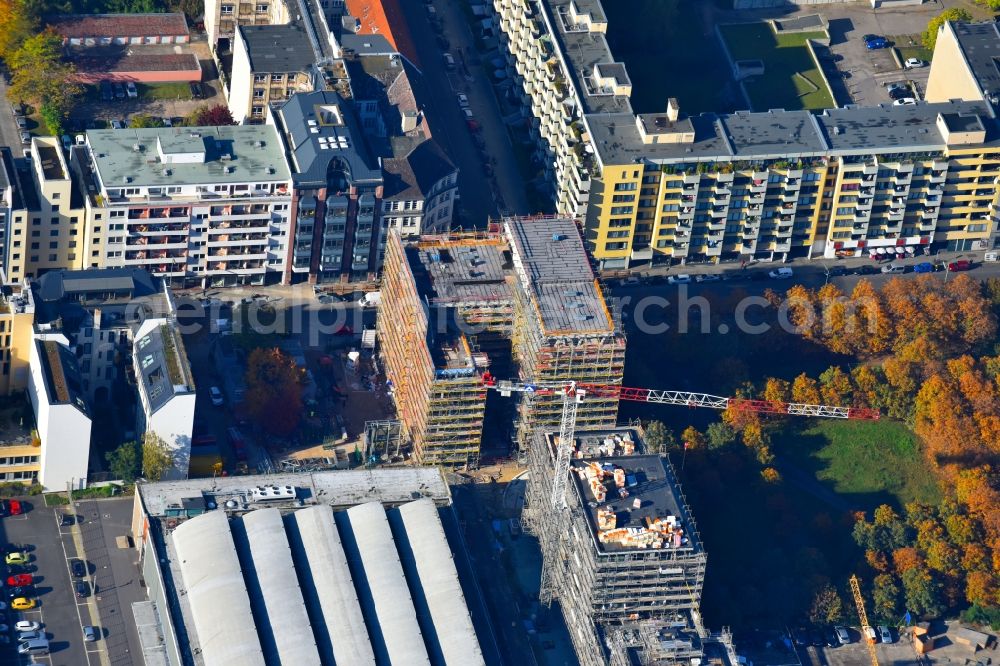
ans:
(277, 78)
(227, 9)
(55, 208)
(621, 210)
(34, 246)
(618, 198)
(259, 78)
(54, 245)
(36, 233)
(258, 93)
(261, 9)
(53, 232)
(614, 246)
(626, 187)
(257, 111)
(53, 257)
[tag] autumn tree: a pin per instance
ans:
(210, 116)
(141, 120)
(827, 606)
(274, 393)
(719, 435)
(18, 22)
(804, 389)
(157, 459)
(693, 438)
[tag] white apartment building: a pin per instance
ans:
(61, 414)
(528, 30)
(166, 390)
(202, 206)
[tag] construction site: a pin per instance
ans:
(623, 556)
(519, 300)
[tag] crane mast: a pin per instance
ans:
(866, 629)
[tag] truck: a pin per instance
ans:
(371, 299)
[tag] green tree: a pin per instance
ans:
(192, 9)
(693, 438)
(123, 462)
(929, 36)
(53, 119)
(140, 120)
(922, 592)
(885, 596)
(274, 392)
(658, 437)
(41, 76)
(156, 457)
(17, 23)
(827, 606)
(719, 435)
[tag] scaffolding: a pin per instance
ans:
(618, 593)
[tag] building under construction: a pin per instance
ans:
(625, 560)
(520, 298)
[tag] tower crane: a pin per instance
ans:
(867, 633)
(573, 395)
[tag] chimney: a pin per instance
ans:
(97, 319)
(673, 109)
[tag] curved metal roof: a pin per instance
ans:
(216, 593)
(285, 632)
(332, 594)
(439, 581)
(390, 596)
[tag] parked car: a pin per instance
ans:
(913, 63)
(78, 568)
(683, 278)
(24, 636)
(16, 557)
(843, 635)
(67, 142)
(196, 90)
(706, 277)
(449, 61)
(17, 108)
(131, 90)
(463, 100)
(23, 591)
(215, 393)
(25, 137)
(23, 603)
(924, 267)
(905, 101)
(442, 43)
(894, 268)
(22, 122)
(832, 639)
(82, 589)
(884, 634)
(468, 114)
(107, 91)
(783, 273)
(873, 42)
(117, 124)
(167, 122)
(90, 634)
(865, 270)
(960, 265)
(900, 93)
(758, 276)
(27, 625)
(120, 91)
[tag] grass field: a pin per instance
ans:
(671, 51)
(791, 79)
(868, 462)
(166, 91)
(909, 46)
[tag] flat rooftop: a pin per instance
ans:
(789, 134)
(165, 156)
(278, 48)
(980, 44)
(661, 520)
(551, 261)
(339, 489)
(455, 273)
(119, 25)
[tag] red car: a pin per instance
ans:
(14, 507)
(960, 265)
(20, 580)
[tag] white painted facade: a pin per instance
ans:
(63, 428)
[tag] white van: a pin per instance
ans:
(780, 274)
(449, 61)
(40, 646)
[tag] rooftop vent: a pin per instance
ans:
(259, 144)
(127, 179)
(230, 169)
(225, 157)
(271, 493)
(558, 237)
(136, 147)
(270, 170)
(167, 172)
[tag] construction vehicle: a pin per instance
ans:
(573, 394)
(867, 632)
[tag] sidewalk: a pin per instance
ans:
(817, 263)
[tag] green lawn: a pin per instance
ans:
(791, 79)
(870, 462)
(670, 50)
(909, 46)
(164, 91)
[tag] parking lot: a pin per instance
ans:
(52, 544)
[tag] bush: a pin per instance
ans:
(980, 615)
(16, 489)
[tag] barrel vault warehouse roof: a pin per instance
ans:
(363, 586)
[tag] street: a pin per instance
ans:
(437, 90)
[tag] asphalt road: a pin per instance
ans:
(447, 122)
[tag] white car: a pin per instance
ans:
(463, 100)
(468, 114)
(904, 101)
(29, 636)
(780, 274)
(894, 268)
(27, 625)
(683, 278)
(131, 90)
(706, 277)
(913, 63)
(216, 394)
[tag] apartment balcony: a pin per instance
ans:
(238, 255)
